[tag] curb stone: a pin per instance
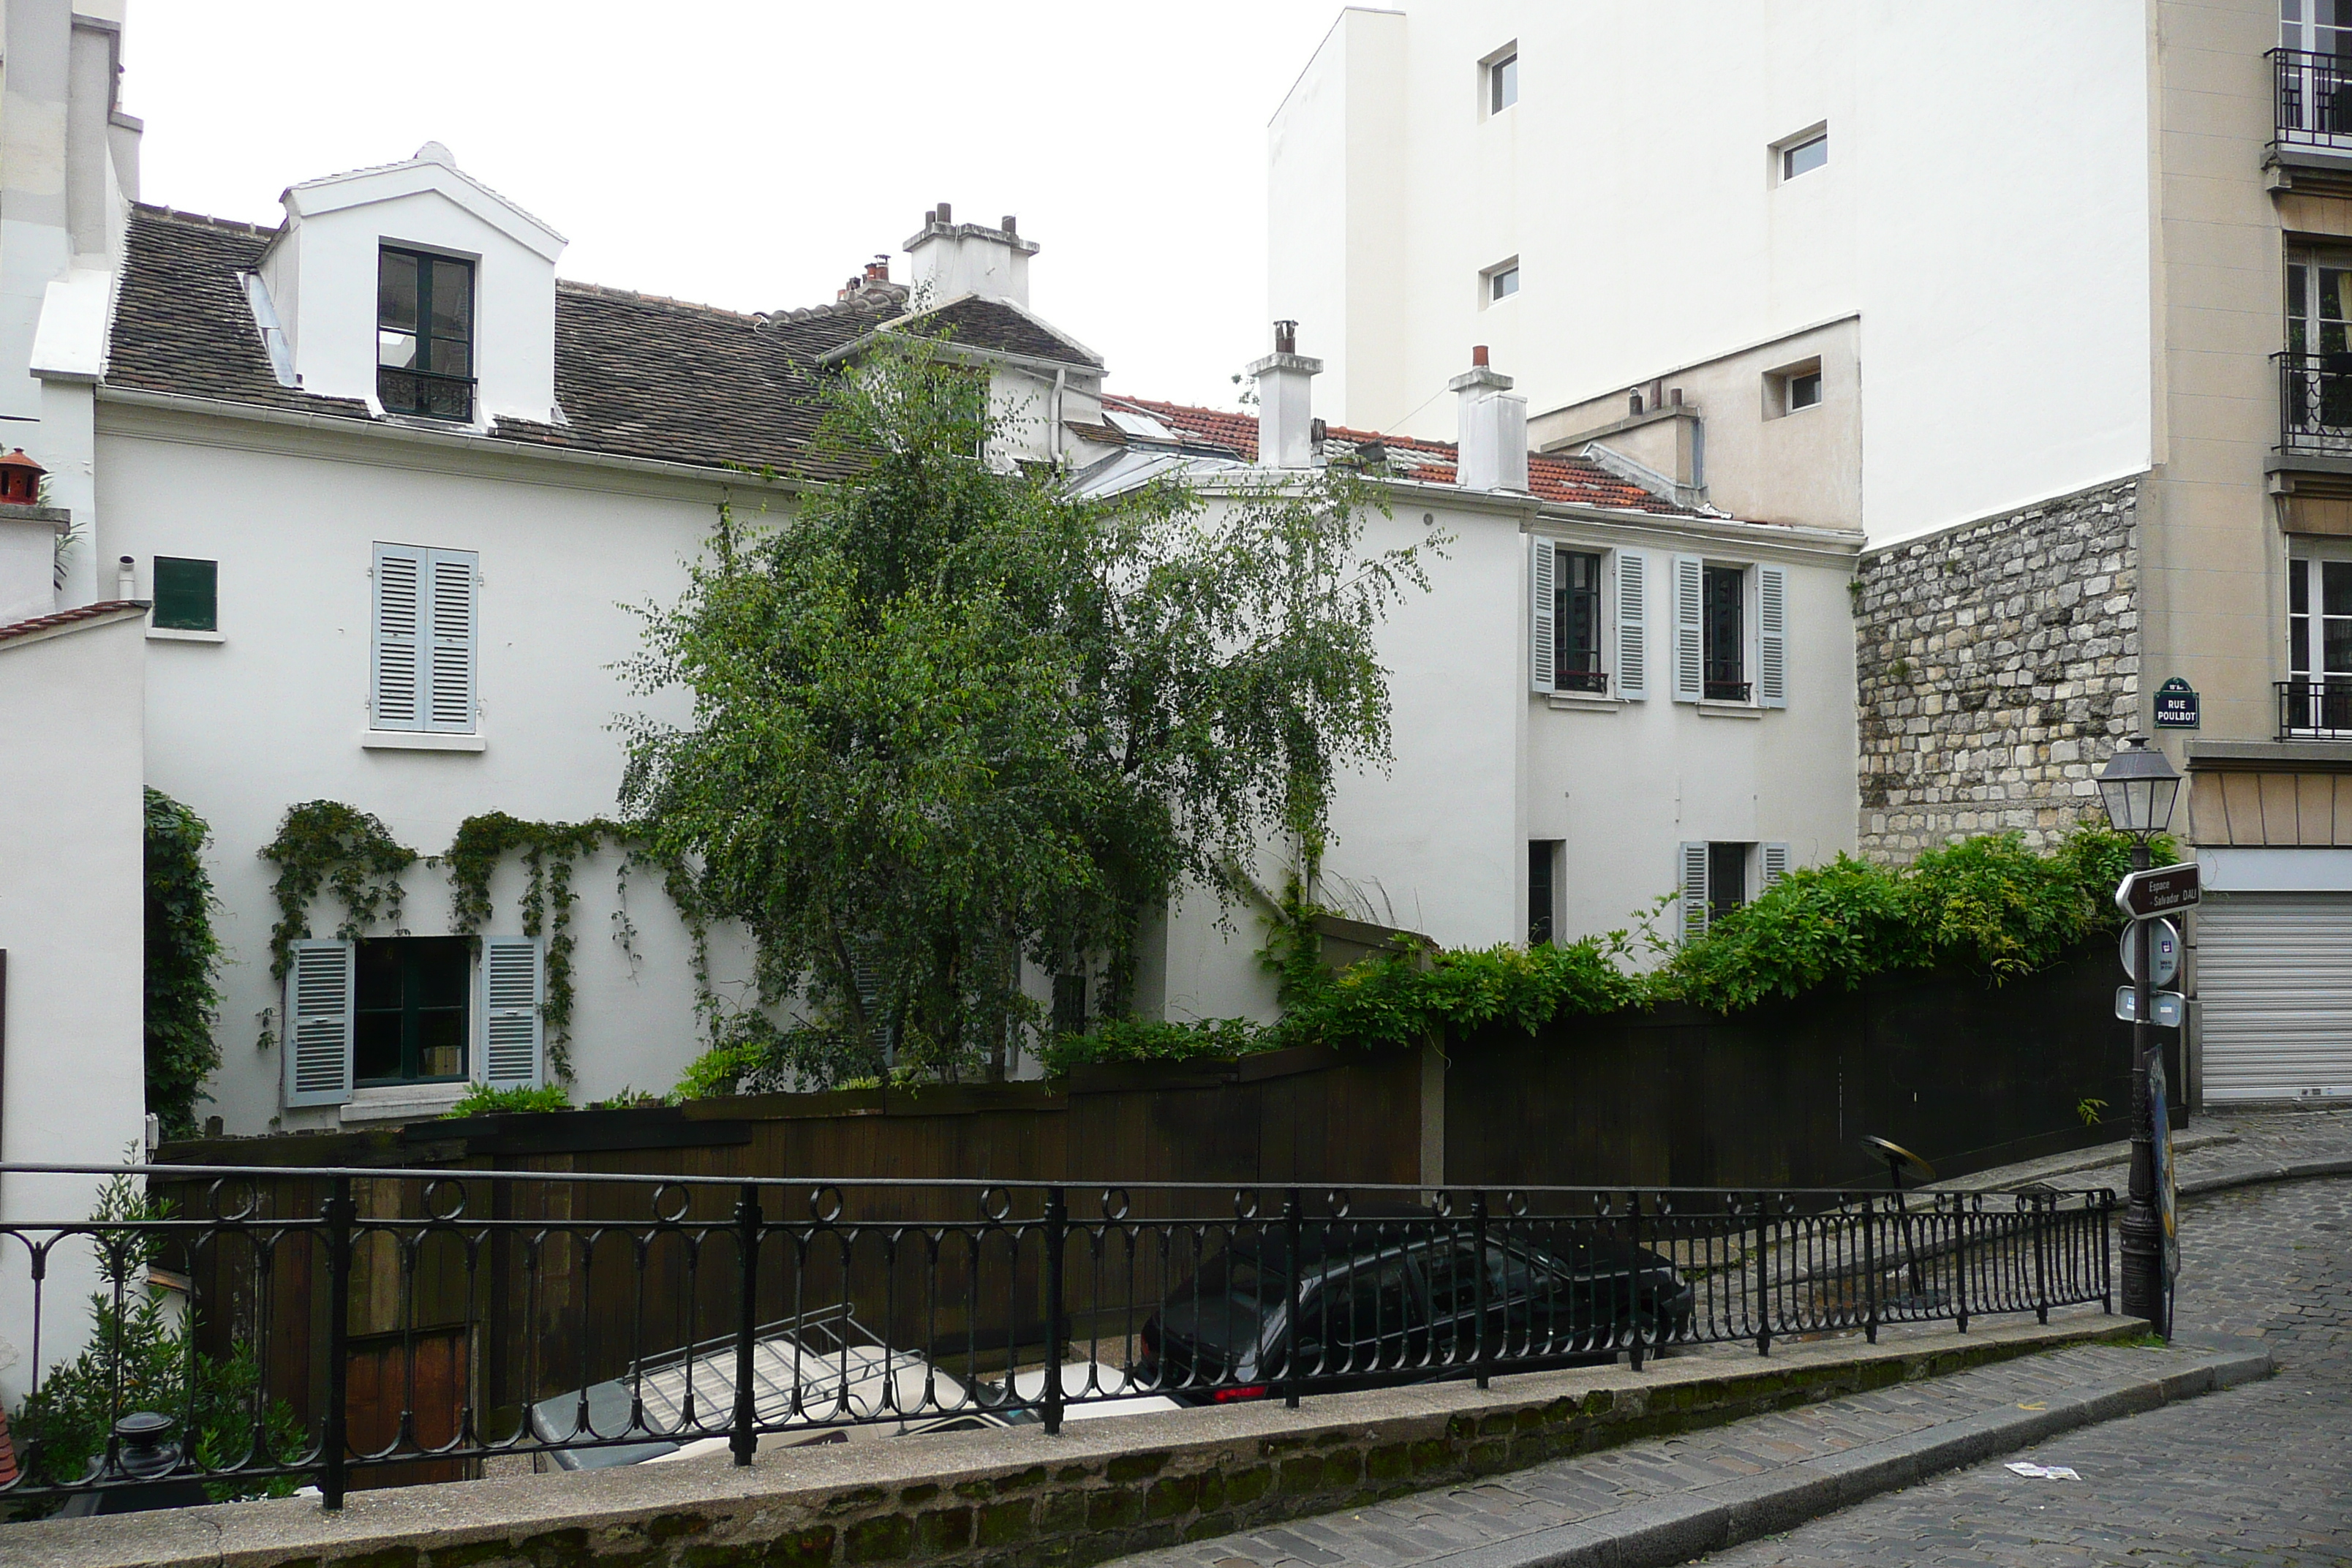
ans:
(2292, 1171)
(1671, 1529)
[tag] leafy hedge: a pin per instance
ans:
(1988, 905)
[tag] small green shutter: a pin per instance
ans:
(187, 594)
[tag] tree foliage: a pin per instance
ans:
(950, 717)
(182, 960)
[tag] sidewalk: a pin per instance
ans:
(2220, 1148)
(1666, 1502)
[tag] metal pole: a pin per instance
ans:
(744, 1440)
(1295, 1229)
(1485, 1348)
(336, 1440)
(1057, 1228)
(2143, 1231)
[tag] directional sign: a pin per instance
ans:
(2144, 895)
(2166, 1006)
(2163, 941)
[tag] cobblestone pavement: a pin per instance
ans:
(2261, 1474)
(2217, 1144)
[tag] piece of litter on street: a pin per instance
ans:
(2042, 1472)
(2034, 1405)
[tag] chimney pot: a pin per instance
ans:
(1478, 355)
(1288, 435)
(947, 213)
(1285, 337)
(1011, 227)
(1491, 450)
(1634, 401)
(1674, 396)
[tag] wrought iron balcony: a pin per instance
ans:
(2315, 404)
(2313, 98)
(2312, 709)
(424, 395)
(1714, 691)
(1593, 681)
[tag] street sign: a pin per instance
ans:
(2144, 895)
(2165, 1005)
(2177, 705)
(2163, 941)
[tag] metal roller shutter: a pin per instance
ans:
(2274, 977)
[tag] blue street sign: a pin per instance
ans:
(2177, 705)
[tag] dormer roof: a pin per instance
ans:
(432, 169)
(985, 326)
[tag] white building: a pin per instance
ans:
(2046, 300)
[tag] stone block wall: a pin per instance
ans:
(1999, 662)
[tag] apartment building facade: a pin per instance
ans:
(2049, 302)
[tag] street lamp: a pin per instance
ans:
(2139, 787)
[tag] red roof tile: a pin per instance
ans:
(68, 617)
(1550, 476)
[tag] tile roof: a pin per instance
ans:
(68, 617)
(1550, 476)
(995, 324)
(635, 375)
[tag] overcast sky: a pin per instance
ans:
(754, 154)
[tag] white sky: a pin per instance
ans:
(754, 155)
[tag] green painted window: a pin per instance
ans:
(187, 594)
(425, 334)
(410, 1024)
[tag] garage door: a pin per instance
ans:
(2274, 974)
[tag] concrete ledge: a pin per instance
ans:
(1009, 1499)
(2292, 1171)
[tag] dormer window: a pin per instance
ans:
(425, 334)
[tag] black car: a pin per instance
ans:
(1383, 1302)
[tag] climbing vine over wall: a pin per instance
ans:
(182, 956)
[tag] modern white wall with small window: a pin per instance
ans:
(427, 634)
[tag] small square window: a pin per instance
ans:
(1804, 390)
(1803, 157)
(1503, 282)
(409, 1023)
(187, 594)
(1791, 388)
(1502, 83)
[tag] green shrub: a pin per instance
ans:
(1149, 1040)
(483, 1101)
(183, 958)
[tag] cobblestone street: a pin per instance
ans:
(2261, 1474)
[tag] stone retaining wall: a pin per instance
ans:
(1017, 1497)
(1999, 662)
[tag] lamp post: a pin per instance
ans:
(2137, 787)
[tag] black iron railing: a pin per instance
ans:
(1594, 680)
(2313, 94)
(358, 1327)
(2314, 710)
(1726, 690)
(2315, 403)
(424, 395)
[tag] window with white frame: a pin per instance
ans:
(1499, 282)
(2319, 697)
(1730, 632)
(424, 637)
(1802, 153)
(1501, 71)
(1587, 619)
(1712, 878)
(395, 1012)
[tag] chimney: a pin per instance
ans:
(952, 260)
(1493, 429)
(1286, 437)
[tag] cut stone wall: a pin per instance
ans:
(1999, 662)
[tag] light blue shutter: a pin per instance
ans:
(450, 625)
(1633, 626)
(512, 1053)
(1690, 877)
(396, 700)
(1541, 613)
(317, 1043)
(1690, 650)
(1773, 636)
(1776, 863)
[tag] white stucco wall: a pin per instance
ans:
(1985, 208)
(73, 923)
(275, 712)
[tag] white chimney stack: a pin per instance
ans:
(952, 260)
(1493, 429)
(1285, 412)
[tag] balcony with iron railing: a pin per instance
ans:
(424, 394)
(2311, 144)
(2314, 404)
(2315, 708)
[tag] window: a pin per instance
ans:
(423, 674)
(1712, 878)
(1805, 390)
(1805, 156)
(2314, 388)
(1502, 82)
(1722, 620)
(2319, 697)
(2316, 26)
(1502, 280)
(408, 1009)
(1791, 388)
(425, 334)
(1069, 1003)
(187, 594)
(1576, 624)
(1543, 857)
